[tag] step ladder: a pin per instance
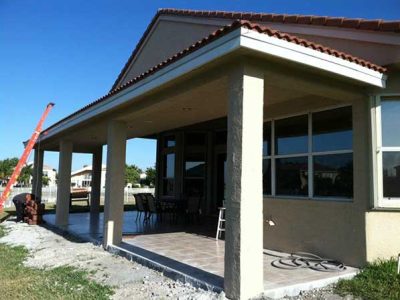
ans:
(221, 223)
(28, 148)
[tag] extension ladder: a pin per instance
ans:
(24, 157)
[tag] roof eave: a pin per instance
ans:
(262, 43)
(240, 38)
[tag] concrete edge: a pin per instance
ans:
(166, 271)
(296, 289)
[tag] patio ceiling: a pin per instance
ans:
(194, 89)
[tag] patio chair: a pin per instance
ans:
(153, 207)
(140, 206)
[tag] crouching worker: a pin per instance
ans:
(20, 202)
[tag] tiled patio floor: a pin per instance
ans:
(192, 250)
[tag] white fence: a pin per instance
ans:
(49, 194)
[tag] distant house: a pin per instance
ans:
(83, 177)
(49, 172)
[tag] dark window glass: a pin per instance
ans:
(195, 165)
(390, 112)
(291, 135)
(221, 137)
(195, 139)
(169, 141)
(292, 176)
(267, 176)
(332, 130)
(267, 139)
(168, 187)
(194, 187)
(391, 174)
(333, 175)
(169, 165)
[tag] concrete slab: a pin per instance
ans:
(190, 253)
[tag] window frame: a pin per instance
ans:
(378, 149)
(309, 154)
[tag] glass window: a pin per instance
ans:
(194, 187)
(221, 137)
(266, 176)
(168, 187)
(291, 135)
(169, 141)
(390, 111)
(391, 174)
(267, 139)
(333, 175)
(169, 165)
(292, 176)
(332, 130)
(195, 139)
(195, 165)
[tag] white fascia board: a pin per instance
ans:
(289, 51)
(194, 60)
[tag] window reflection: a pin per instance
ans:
(391, 174)
(267, 176)
(291, 135)
(267, 139)
(195, 165)
(292, 176)
(332, 130)
(169, 165)
(390, 110)
(333, 175)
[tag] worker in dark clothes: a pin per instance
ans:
(20, 201)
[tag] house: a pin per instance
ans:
(49, 172)
(83, 177)
(287, 118)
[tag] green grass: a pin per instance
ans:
(20, 282)
(376, 281)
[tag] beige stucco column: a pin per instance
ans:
(37, 178)
(64, 183)
(115, 181)
(244, 205)
(96, 181)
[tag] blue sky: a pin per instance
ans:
(70, 52)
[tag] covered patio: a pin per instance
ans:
(190, 253)
(229, 91)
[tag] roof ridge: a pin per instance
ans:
(216, 34)
(340, 22)
(346, 22)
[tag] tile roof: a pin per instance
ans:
(341, 22)
(363, 24)
(217, 34)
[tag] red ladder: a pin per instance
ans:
(24, 156)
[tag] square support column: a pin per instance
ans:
(115, 182)
(64, 183)
(37, 178)
(244, 206)
(96, 181)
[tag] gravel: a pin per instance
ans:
(129, 279)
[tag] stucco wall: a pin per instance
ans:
(383, 234)
(328, 228)
(167, 38)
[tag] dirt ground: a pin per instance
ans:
(129, 279)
